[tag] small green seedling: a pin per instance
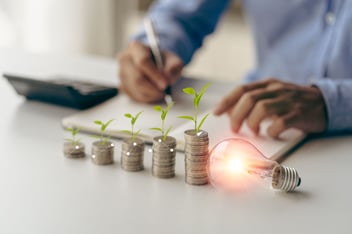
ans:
(102, 137)
(133, 121)
(163, 113)
(73, 132)
(196, 100)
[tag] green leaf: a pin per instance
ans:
(107, 124)
(104, 126)
(167, 131)
(75, 131)
(189, 91)
(156, 129)
(158, 108)
(166, 110)
(98, 122)
(200, 94)
(186, 117)
(202, 122)
(138, 114)
(134, 119)
(169, 107)
(128, 115)
(163, 115)
(205, 87)
(197, 100)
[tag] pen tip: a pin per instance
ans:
(168, 99)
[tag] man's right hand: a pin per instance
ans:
(140, 77)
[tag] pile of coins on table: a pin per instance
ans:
(196, 157)
(74, 149)
(132, 154)
(102, 154)
(164, 154)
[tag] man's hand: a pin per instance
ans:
(140, 78)
(289, 105)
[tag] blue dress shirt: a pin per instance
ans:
(307, 42)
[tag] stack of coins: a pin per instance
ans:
(196, 157)
(74, 150)
(132, 154)
(102, 154)
(164, 153)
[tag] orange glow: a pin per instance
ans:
(230, 173)
(231, 163)
(235, 165)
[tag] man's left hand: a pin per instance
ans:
(289, 105)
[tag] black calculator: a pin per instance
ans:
(62, 91)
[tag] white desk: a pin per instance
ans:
(41, 191)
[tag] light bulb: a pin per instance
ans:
(235, 163)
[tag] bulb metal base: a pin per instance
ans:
(285, 179)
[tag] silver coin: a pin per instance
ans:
(197, 151)
(164, 154)
(137, 168)
(196, 157)
(193, 133)
(102, 154)
(198, 181)
(74, 150)
(164, 157)
(132, 154)
(163, 176)
(194, 174)
(198, 163)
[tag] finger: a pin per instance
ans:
(232, 98)
(142, 57)
(245, 105)
(173, 67)
(149, 92)
(144, 93)
(281, 123)
(261, 111)
(127, 72)
(135, 84)
(264, 109)
(228, 101)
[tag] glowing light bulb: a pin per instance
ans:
(236, 163)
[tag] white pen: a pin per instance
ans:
(156, 52)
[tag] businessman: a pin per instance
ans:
(303, 73)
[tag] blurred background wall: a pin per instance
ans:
(102, 28)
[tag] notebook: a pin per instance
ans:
(218, 128)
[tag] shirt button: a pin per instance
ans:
(330, 18)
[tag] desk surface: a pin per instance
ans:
(41, 191)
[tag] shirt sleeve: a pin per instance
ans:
(337, 94)
(183, 25)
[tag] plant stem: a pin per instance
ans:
(102, 138)
(132, 132)
(195, 118)
(162, 130)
